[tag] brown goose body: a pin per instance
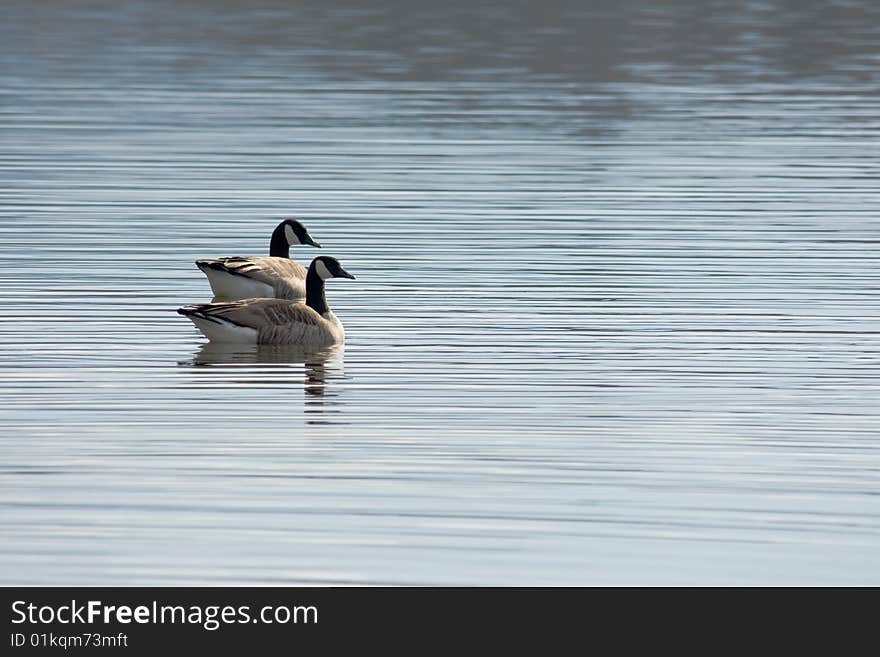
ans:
(262, 276)
(272, 276)
(266, 321)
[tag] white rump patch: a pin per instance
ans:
(290, 235)
(322, 270)
(225, 331)
(232, 286)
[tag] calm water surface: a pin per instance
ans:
(615, 318)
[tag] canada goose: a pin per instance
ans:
(273, 276)
(276, 321)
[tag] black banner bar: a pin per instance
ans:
(412, 620)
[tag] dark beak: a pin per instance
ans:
(344, 274)
(312, 242)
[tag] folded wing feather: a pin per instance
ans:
(260, 313)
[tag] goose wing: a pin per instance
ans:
(258, 314)
(282, 274)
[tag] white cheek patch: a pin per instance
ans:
(290, 235)
(322, 270)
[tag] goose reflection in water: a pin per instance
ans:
(271, 365)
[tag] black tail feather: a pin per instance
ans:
(211, 264)
(197, 311)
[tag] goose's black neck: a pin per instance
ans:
(315, 297)
(279, 247)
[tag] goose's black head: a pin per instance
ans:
(322, 268)
(289, 233)
(296, 233)
(328, 267)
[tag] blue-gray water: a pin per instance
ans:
(615, 318)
